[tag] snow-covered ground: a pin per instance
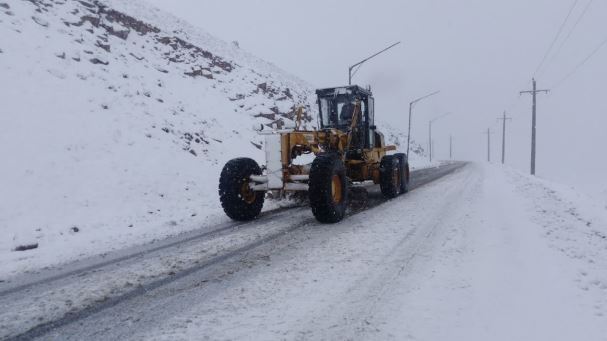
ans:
(485, 253)
(116, 120)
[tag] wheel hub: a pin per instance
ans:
(336, 189)
(396, 178)
(246, 193)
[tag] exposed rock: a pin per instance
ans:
(271, 117)
(40, 21)
(99, 61)
(127, 21)
(106, 47)
(204, 72)
(137, 57)
(238, 97)
(26, 247)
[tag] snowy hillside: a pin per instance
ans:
(116, 120)
(113, 125)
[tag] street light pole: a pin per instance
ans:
(350, 75)
(411, 113)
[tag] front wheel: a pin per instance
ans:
(390, 176)
(239, 202)
(328, 188)
(405, 174)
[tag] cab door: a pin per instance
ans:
(371, 122)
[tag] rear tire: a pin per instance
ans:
(390, 176)
(404, 163)
(328, 188)
(239, 202)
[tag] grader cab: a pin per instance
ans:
(348, 150)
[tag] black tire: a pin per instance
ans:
(390, 175)
(237, 203)
(328, 190)
(404, 163)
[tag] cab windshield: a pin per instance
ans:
(337, 111)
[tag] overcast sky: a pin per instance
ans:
(478, 53)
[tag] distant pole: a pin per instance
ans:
(450, 147)
(488, 144)
(430, 139)
(504, 119)
(350, 74)
(488, 132)
(409, 133)
(533, 121)
(411, 113)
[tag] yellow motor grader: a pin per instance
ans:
(348, 150)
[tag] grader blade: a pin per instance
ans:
(359, 199)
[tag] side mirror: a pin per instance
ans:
(373, 127)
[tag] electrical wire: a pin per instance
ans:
(558, 34)
(581, 64)
(577, 22)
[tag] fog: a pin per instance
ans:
(478, 53)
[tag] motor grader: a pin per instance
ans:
(348, 151)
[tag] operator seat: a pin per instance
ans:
(346, 112)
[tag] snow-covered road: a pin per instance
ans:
(481, 254)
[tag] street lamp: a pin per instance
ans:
(410, 113)
(359, 64)
(430, 132)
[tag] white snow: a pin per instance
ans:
(113, 132)
(486, 253)
(470, 257)
(127, 152)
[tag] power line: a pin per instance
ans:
(581, 64)
(577, 22)
(558, 34)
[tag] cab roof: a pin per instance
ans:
(348, 89)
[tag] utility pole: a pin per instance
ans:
(411, 113)
(504, 119)
(488, 132)
(533, 121)
(430, 140)
(450, 147)
(359, 64)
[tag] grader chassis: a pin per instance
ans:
(348, 150)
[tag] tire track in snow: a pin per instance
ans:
(419, 178)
